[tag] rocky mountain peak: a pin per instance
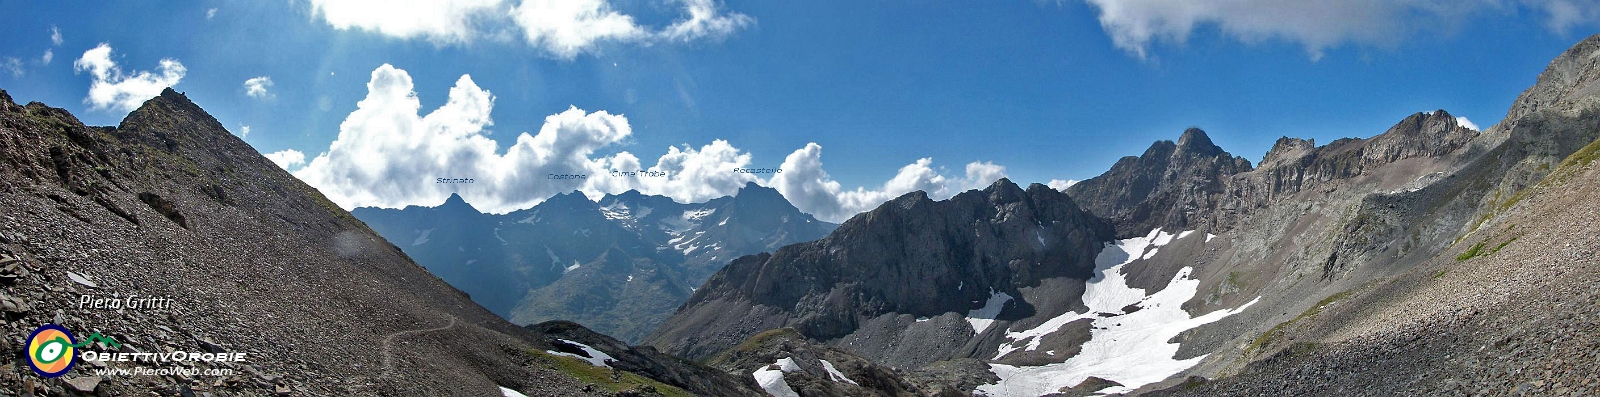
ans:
(1194, 141)
(911, 255)
(630, 195)
(1287, 148)
(1426, 134)
(455, 202)
(570, 199)
(1571, 76)
(1165, 187)
(752, 190)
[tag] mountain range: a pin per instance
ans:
(1188, 271)
(1429, 259)
(618, 266)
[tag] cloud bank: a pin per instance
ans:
(1135, 25)
(389, 154)
(561, 28)
(111, 89)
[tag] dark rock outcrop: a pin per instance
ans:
(911, 256)
(695, 378)
(1173, 186)
(813, 369)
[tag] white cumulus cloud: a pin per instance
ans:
(111, 89)
(1061, 185)
(1134, 25)
(561, 28)
(389, 154)
(1462, 121)
(805, 183)
(55, 35)
(256, 87)
(567, 27)
(439, 21)
(211, 13)
(287, 158)
(49, 55)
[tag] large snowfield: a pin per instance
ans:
(1128, 348)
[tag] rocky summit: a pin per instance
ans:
(865, 287)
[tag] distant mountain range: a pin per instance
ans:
(618, 266)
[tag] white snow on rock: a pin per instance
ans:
(1210, 236)
(422, 237)
(554, 260)
(574, 266)
(507, 392)
(983, 317)
(596, 357)
(1128, 348)
(835, 375)
(534, 217)
(616, 211)
(771, 379)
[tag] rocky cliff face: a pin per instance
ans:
(1175, 186)
(910, 258)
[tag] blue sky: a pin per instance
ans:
(1046, 90)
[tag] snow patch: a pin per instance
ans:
(571, 268)
(595, 357)
(507, 392)
(983, 317)
(1128, 348)
(771, 379)
(1210, 236)
(422, 237)
(616, 211)
(835, 375)
(555, 261)
(695, 216)
(534, 217)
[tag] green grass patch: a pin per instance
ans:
(607, 378)
(1266, 338)
(1436, 276)
(1503, 245)
(1475, 251)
